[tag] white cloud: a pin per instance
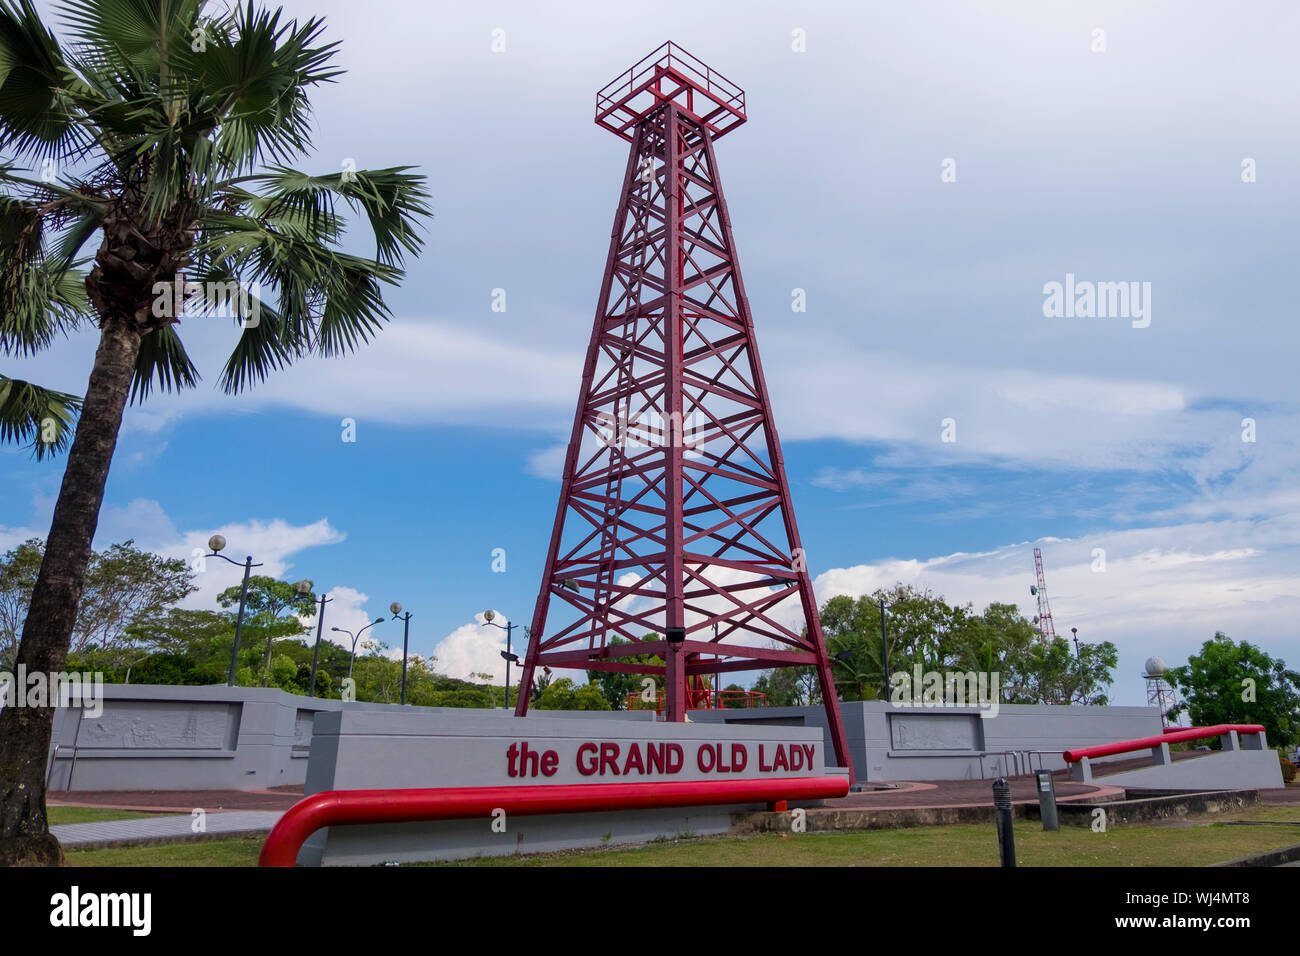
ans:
(475, 648)
(345, 609)
(549, 462)
(272, 545)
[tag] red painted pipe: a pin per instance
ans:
(343, 807)
(1145, 743)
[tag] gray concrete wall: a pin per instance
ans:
(890, 743)
(247, 738)
(165, 737)
(356, 750)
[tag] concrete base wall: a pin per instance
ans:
(163, 737)
(246, 738)
(381, 751)
(890, 743)
(1168, 806)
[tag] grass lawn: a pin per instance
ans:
(232, 851)
(94, 815)
(1180, 844)
(966, 845)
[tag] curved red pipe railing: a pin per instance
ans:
(344, 807)
(1145, 743)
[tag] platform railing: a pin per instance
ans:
(701, 700)
(1015, 763)
(349, 807)
(673, 57)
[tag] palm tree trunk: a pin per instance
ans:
(25, 731)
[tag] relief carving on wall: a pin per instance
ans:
(141, 727)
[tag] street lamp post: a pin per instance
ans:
(304, 588)
(884, 652)
(1083, 675)
(506, 655)
(217, 543)
(356, 637)
(396, 610)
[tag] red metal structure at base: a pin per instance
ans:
(343, 807)
(675, 519)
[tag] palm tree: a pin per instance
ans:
(163, 129)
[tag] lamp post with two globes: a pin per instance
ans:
(217, 543)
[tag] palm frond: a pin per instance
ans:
(391, 200)
(131, 39)
(162, 362)
(36, 415)
(34, 118)
(254, 73)
(39, 299)
(262, 347)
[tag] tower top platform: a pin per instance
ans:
(670, 74)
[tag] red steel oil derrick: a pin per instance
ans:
(674, 516)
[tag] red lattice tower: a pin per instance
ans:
(1046, 629)
(674, 512)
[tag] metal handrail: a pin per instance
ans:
(1147, 743)
(1020, 768)
(347, 807)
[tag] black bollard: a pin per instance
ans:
(1002, 814)
(1047, 800)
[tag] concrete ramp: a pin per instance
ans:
(1217, 770)
(1244, 761)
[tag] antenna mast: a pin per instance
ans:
(1046, 630)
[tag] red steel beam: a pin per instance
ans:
(349, 807)
(1146, 743)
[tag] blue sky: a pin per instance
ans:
(925, 302)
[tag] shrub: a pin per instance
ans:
(1288, 769)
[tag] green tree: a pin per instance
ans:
(923, 629)
(789, 686)
(852, 633)
(563, 694)
(617, 685)
(1054, 674)
(1232, 682)
(124, 587)
(18, 570)
(183, 646)
(268, 600)
(167, 126)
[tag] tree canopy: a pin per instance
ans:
(1231, 682)
(921, 628)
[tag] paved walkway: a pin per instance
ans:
(279, 798)
(169, 829)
